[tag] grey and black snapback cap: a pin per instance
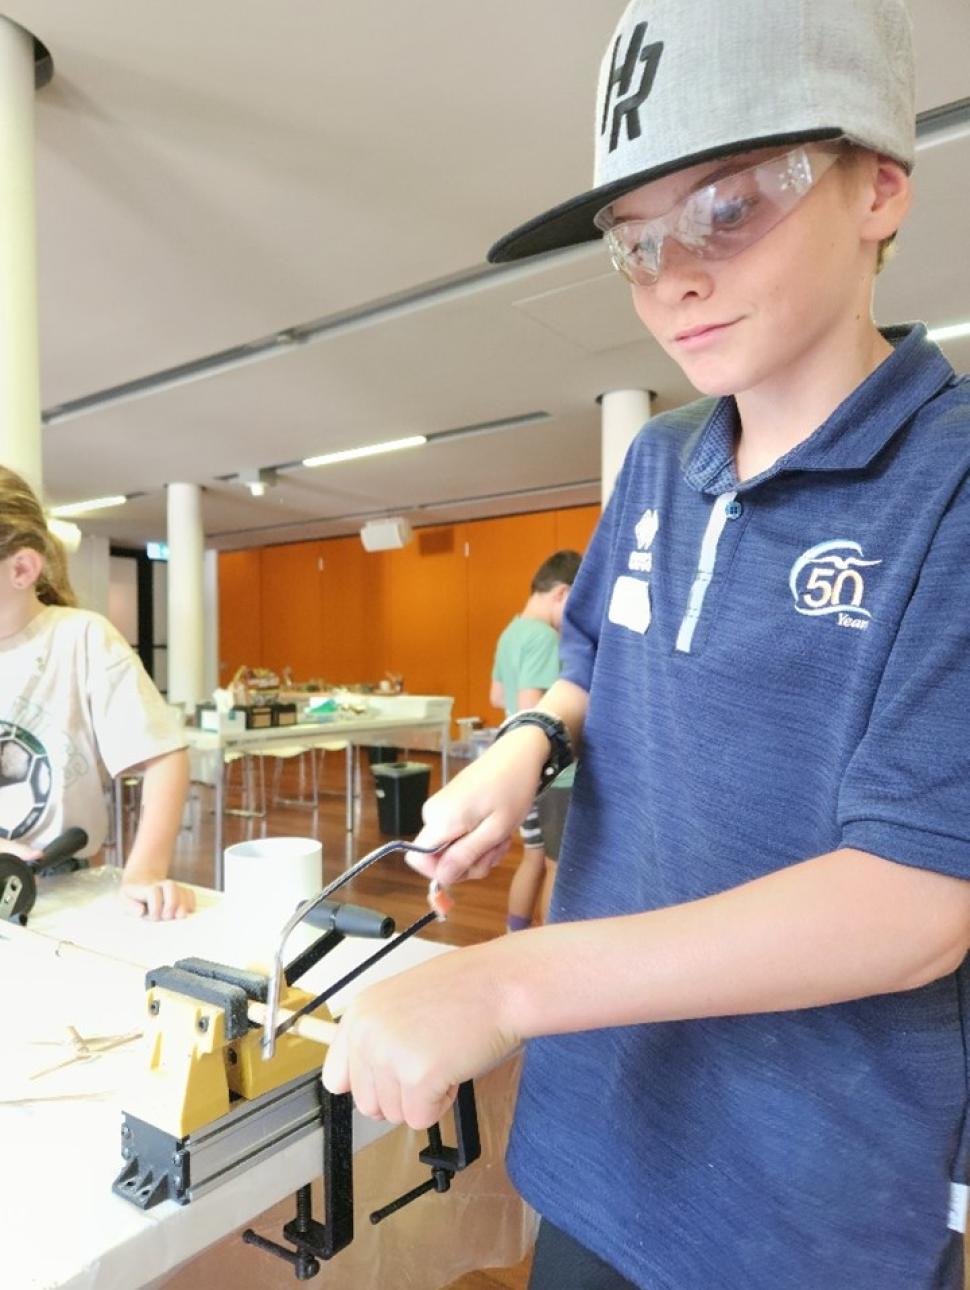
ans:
(686, 81)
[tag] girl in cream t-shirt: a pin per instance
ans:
(76, 705)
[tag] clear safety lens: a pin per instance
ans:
(720, 220)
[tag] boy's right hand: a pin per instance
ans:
(478, 811)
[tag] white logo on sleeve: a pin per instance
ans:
(630, 604)
(641, 560)
(828, 580)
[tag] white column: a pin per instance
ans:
(624, 413)
(211, 590)
(186, 621)
(19, 363)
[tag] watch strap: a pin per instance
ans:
(560, 744)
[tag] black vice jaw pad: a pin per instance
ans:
(232, 999)
(255, 984)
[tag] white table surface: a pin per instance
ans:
(354, 728)
(370, 727)
(62, 1227)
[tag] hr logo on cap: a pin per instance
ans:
(621, 78)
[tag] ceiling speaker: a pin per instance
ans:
(386, 535)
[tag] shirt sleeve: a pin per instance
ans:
(131, 721)
(905, 794)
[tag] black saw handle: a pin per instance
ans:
(350, 920)
(65, 847)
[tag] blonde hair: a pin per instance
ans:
(22, 524)
(887, 250)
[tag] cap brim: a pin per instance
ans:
(571, 222)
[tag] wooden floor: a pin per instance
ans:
(391, 886)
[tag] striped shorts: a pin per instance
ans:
(530, 830)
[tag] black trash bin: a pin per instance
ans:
(378, 753)
(402, 789)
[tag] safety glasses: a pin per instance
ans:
(721, 219)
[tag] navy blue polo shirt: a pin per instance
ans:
(776, 669)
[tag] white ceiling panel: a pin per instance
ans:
(212, 174)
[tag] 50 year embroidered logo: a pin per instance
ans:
(829, 579)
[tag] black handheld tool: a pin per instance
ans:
(350, 920)
(18, 878)
(60, 856)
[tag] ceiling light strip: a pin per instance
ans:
(91, 504)
(367, 450)
(436, 436)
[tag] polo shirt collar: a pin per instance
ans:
(857, 430)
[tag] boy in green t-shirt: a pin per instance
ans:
(526, 665)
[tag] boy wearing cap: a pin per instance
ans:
(748, 1066)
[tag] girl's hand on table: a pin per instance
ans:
(157, 900)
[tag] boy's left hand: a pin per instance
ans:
(404, 1045)
(159, 900)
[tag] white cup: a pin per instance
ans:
(265, 880)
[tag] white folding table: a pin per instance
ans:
(64, 1229)
(395, 718)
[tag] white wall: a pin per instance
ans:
(123, 597)
(88, 568)
(210, 591)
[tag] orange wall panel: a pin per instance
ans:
(426, 619)
(574, 527)
(503, 556)
(352, 628)
(291, 582)
(240, 611)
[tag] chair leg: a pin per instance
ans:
(315, 799)
(301, 799)
(109, 801)
(252, 808)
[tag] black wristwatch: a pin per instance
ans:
(560, 744)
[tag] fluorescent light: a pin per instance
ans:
(369, 450)
(93, 504)
(69, 534)
(952, 332)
